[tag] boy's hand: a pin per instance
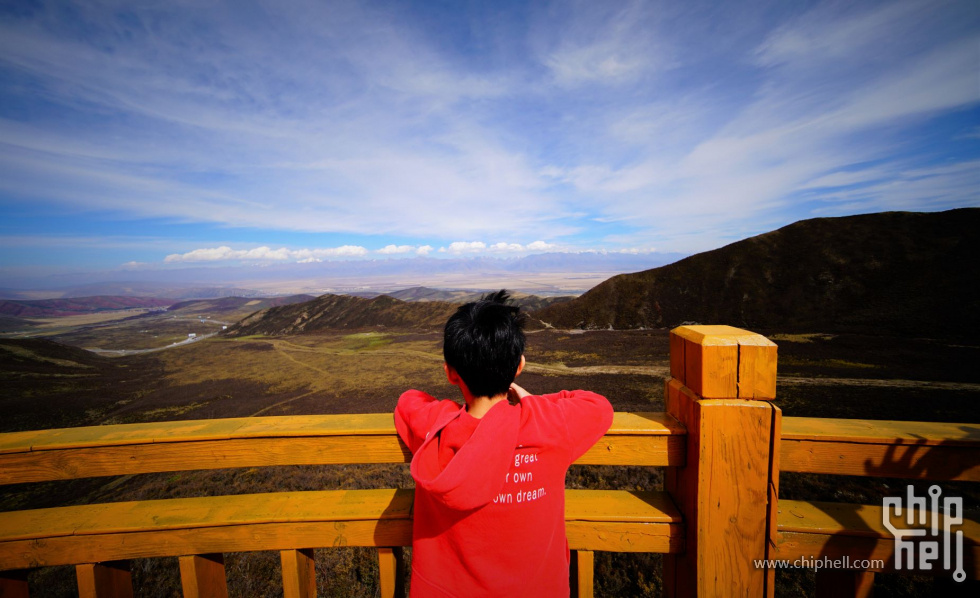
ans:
(516, 392)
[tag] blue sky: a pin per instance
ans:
(167, 133)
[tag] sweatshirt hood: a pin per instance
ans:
(475, 474)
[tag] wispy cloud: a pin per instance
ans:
(604, 125)
(796, 129)
(605, 45)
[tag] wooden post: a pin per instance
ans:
(391, 567)
(849, 583)
(298, 573)
(13, 584)
(104, 580)
(203, 576)
(583, 573)
(721, 381)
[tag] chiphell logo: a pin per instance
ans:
(916, 513)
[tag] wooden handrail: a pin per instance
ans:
(895, 449)
(651, 439)
(596, 520)
(917, 450)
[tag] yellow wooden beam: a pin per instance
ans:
(912, 450)
(596, 520)
(104, 580)
(292, 426)
(203, 576)
(825, 429)
(298, 573)
(653, 439)
(583, 566)
(391, 569)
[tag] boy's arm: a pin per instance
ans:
(413, 417)
(587, 418)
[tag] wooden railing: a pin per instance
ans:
(721, 441)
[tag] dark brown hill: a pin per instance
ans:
(894, 273)
(15, 324)
(524, 300)
(234, 305)
(343, 312)
(77, 306)
(42, 356)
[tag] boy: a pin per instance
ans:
(489, 515)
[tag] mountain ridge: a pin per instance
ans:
(902, 272)
(77, 305)
(344, 312)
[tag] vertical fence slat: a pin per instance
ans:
(13, 584)
(392, 570)
(298, 573)
(203, 576)
(104, 580)
(726, 491)
(773, 499)
(845, 583)
(583, 572)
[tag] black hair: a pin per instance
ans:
(484, 342)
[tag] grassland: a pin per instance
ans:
(48, 385)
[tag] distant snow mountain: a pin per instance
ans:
(214, 281)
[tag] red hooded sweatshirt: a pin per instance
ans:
(489, 515)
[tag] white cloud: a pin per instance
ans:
(518, 248)
(506, 247)
(461, 247)
(395, 249)
(205, 255)
(424, 250)
(342, 251)
(266, 254)
(540, 246)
